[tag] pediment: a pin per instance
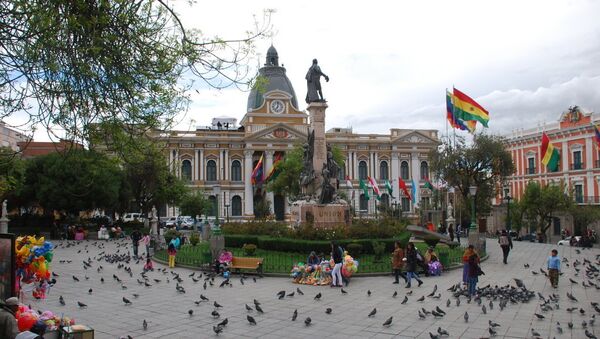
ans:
(276, 132)
(414, 137)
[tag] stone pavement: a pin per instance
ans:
(166, 310)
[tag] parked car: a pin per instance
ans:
(567, 241)
(528, 237)
(514, 235)
(185, 222)
(170, 221)
(127, 217)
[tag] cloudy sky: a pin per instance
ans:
(390, 62)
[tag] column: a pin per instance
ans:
(564, 155)
(267, 168)
(348, 166)
(226, 165)
(416, 174)
(394, 176)
(201, 161)
(220, 166)
(589, 165)
(248, 189)
(376, 166)
(371, 165)
(177, 164)
(195, 171)
(170, 163)
(355, 163)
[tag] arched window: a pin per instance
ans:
(424, 170)
(404, 170)
(213, 205)
(186, 170)
(383, 170)
(211, 170)
(385, 200)
(236, 206)
(362, 170)
(363, 203)
(236, 171)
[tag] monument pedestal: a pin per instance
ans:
(321, 215)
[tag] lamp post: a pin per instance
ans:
(227, 212)
(217, 241)
(473, 193)
(508, 199)
(216, 191)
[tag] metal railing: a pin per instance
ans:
(577, 166)
(530, 170)
(587, 200)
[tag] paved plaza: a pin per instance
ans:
(166, 310)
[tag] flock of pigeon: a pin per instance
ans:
(489, 298)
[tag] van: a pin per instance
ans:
(127, 217)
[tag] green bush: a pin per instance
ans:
(274, 229)
(249, 249)
(354, 249)
(238, 241)
(378, 249)
(170, 234)
(194, 238)
(432, 242)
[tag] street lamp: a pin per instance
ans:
(216, 192)
(473, 192)
(227, 212)
(508, 199)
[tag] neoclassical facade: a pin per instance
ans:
(225, 154)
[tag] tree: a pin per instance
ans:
(195, 204)
(12, 174)
(583, 216)
(485, 164)
(73, 63)
(75, 181)
(539, 202)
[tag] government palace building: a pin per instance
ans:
(219, 159)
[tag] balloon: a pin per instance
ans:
(26, 321)
(49, 256)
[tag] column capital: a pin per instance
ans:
(248, 153)
(269, 153)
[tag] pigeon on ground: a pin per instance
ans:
(388, 322)
(466, 317)
(299, 291)
(535, 333)
(328, 310)
(373, 312)
(223, 323)
(442, 331)
(318, 296)
(217, 305)
(421, 315)
(203, 297)
(343, 291)
(539, 316)
(369, 293)
(395, 294)
(248, 308)
(215, 314)
(307, 321)
(590, 334)
(191, 312)
(404, 300)
(61, 300)
(258, 309)
(145, 325)
(295, 315)
(421, 298)
(558, 328)
(251, 320)
(433, 336)
(493, 324)
(492, 332)
(126, 301)
(81, 305)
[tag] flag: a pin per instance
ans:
(363, 187)
(467, 109)
(429, 185)
(550, 155)
(274, 172)
(402, 186)
(257, 173)
(348, 182)
(390, 190)
(375, 187)
(413, 192)
(597, 132)
(456, 122)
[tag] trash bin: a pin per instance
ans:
(445, 259)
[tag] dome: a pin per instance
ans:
(276, 79)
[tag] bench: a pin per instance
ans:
(239, 263)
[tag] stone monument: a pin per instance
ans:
(319, 202)
(4, 219)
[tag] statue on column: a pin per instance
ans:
(313, 83)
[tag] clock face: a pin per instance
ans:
(277, 106)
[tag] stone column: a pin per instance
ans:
(416, 174)
(394, 176)
(267, 169)
(355, 165)
(226, 164)
(248, 190)
(564, 154)
(201, 164)
(4, 219)
(220, 166)
(177, 164)
(317, 124)
(195, 170)
(376, 166)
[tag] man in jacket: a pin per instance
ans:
(8, 323)
(136, 236)
(506, 245)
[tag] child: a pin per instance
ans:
(149, 266)
(553, 268)
(473, 274)
(172, 253)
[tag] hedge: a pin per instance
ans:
(306, 246)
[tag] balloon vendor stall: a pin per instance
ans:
(33, 258)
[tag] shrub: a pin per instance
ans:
(195, 238)
(378, 249)
(354, 249)
(171, 234)
(249, 249)
(238, 241)
(431, 241)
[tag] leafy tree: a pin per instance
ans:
(73, 63)
(194, 203)
(75, 181)
(539, 202)
(583, 216)
(12, 173)
(485, 163)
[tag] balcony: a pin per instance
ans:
(530, 170)
(590, 200)
(577, 166)
(597, 164)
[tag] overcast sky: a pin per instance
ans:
(390, 62)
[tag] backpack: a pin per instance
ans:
(503, 241)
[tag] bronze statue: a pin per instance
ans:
(313, 83)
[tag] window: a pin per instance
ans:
(577, 165)
(342, 172)
(236, 171)
(405, 204)
(363, 203)
(362, 170)
(211, 170)
(186, 170)
(385, 200)
(213, 204)
(531, 165)
(383, 170)
(404, 170)
(424, 170)
(579, 194)
(236, 206)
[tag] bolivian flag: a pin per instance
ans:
(467, 109)
(550, 155)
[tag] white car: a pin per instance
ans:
(567, 240)
(127, 217)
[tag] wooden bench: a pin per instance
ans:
(239, 263)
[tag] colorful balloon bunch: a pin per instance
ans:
(34, 256)
(28, 318)
(349, 266)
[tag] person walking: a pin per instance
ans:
(336, 273)
(553, 268)
(146, 243)
(451, 232)
(474, 271)
(172, 251)
(506, 245)
(466, 256)
(136, 236)
(411, 265)
(397, 263)
(8, 322)
(458, 232)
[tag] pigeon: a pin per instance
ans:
(388, 322)
(328, 310)
(295, 315)
(81, 305)
(570, 324)
(191, 312)
(409, 293)
(558, 328)
(369, 293)
(373, 312)
(343, 291)
(466, 317)
(259, 309)
(248, 308)
(291, 294)
(519, 282)
(223, 323)
(436, 314)
(492, 331)
(203, 297)
(589, 334)
(421, 298)
(90, 291)
(251, 320)
(75, 278)
(61, 300)
(573, 281)
(217, 305)
(421, 315)
(307, 321)
(395, 294)
(439, 310)
(299, 291)
(126, 301)
(535, 333)
(442, 331)
(405, 300)
(433, 336)
(145, 325)
(457, 302)
(318, 296)
(539, 316)
(493, 324)
(215, 314)
(582, 311)
(448, 303)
